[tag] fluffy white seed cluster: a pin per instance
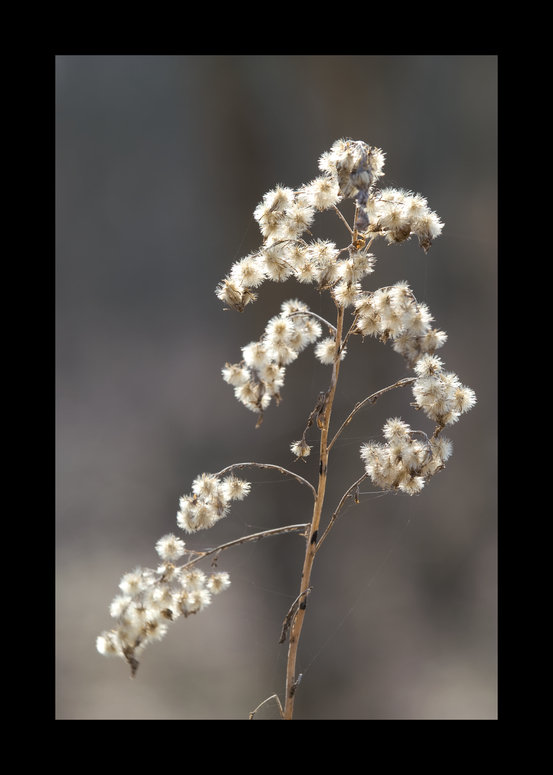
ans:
(315, 262)
(301, 449)
(394, 313)
(406, 460)
(259, 377)
(284, 215)
(209, 501)
(354, 165)
(151, 599)
(350, 170)
(439, 393)
(398, 214)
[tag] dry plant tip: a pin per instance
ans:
(403, 459)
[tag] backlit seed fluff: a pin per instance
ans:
(275, 265)
(345, 294)
(296, 220)
(218, 582)
(324, 351)
(439, 393)
(235, 374)
(108, 644)
(248, 272)
(407, 459)
(255, 355)
(291, 306)
(300, 448)
(428, 365)
(350, 169)
(131, 583)
(235, 489)
(321, 193)
(232, 294)
(357, 266)
(275, 201)
(205, 486)
(170, 547)
(118, 605)
(396, 429)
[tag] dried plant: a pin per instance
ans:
(404, 460)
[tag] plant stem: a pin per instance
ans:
(345, 496)
(253, 537)
(370, 400)
(268, 466)
(296, 627)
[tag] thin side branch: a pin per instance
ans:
(345, 496)
(272, 697)
(352, 330)
(308, 313)
(253, 537)
(348, 227)
(291, 613)
(270, 466)
(372, 399)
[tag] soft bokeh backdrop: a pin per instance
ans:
(160, 161)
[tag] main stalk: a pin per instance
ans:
(311, 548)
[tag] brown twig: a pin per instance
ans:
(370, 400)
(272, 697)
(245, 539)
(290, 615)
(297, 623)
(269, 466)
(345, 496)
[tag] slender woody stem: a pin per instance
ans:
(312, 533)
(348, 227)
(345, 496)
(308, 313)
(270, 466)
(370, 400)
(253, 537)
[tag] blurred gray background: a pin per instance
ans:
(160, 162)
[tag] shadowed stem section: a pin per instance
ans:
(297, 623)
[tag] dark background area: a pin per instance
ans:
(160, 162)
